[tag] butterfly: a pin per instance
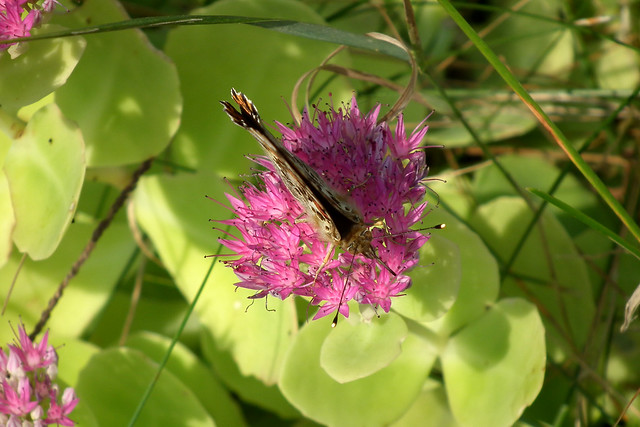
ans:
(332, 215)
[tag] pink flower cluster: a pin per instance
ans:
(17, 17)
(380, 171)
(28, 395)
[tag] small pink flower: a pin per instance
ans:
(34, 356)
(14, 365)
(27, 388)
(18, 17)
(381, 172)
(18, 402)
(12, 23)
(49, 5)
(57, 414)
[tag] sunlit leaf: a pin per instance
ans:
(87, 293)
(374, 400)
(430, 409)
(357, 349)
(115, 92)
(479, 279)
(562, 285)
(199, 378)
(436, 280)
(114, 380)
(44, 67)
(494, 367)
(207, 139)
(175, 214)
(617, 67)
(45, 169)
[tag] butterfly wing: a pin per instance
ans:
(334, 217)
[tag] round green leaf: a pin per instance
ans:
(430, 409)
(562, 285)
(528, 42)
(115, 90)
(261, 63)
(435, 283)
(200, 380)
(530, 171)
(357, 349)
(73, 355)
(44, 67)
(617, 67)
(491, 123)
(7, 220)
(249, 388)
(454, 190)
(175, 214)
(87, 293)
(374, 400)
(45, 169)
(471, 288)
(112, 385)
(494, 367)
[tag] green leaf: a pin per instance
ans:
(175, 214)
(430, 409)
(43, 68)
(617, 67)
(453, 194)
(494, 367)
(357, 349)
(492, 123)
(531, 171)
(562, 286)
(113, 381)
(249, 388)
(587, 220)
(7, 219)
(539, 43)
(374, 400)
(436, 280)
(115, 90)
(477, 283)
(262, 64)
(86, 294)
(45, 169)
(200, 380)
(73, 355)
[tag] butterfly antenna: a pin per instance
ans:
(433, 227)
(384, 264)
(334, 323)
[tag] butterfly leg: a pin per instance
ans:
(329, 255)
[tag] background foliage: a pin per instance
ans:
(514, 313)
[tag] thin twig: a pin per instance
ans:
(135, 299)
(97, 233)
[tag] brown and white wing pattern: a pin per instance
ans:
(336, 219)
